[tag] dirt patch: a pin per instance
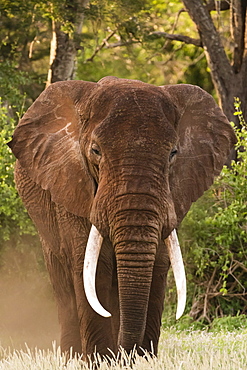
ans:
(28, 313)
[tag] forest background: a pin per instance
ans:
(159, 42)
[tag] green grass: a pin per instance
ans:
(197, 350)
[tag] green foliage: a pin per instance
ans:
(20, 23)
(118, 39)
(196, 73)
(11, 80)
(13, 217)
(214, 239)
(185, 323)
(131, 52)
(229, 323)
(219, 324)
(24, 50)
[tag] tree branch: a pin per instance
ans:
(121, 43)
(100, 47)
(182, 38)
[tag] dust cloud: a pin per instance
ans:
(28, 313)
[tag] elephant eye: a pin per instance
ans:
(95, 149)
(173, 153)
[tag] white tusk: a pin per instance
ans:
(89, 270)
(178, 270)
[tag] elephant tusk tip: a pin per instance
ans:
(181, 291)
(181, 303)
(107, 314)
(181, 300)
(94, 302)
(101, 311)
(180, 311)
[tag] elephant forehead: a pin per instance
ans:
(131, 99)
(135, 131)
(139, 113)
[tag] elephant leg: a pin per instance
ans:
(156, 302)
(45, 214)
(66, 303)
(99, 334)
(107, 287)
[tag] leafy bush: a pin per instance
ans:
(12, 82)
(214, 241)
(185, 323)
(229, 323)
(220, 324)
(14, 220)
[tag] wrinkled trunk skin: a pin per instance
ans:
(134, 275)
(135, 234)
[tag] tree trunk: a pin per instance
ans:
(229, 78)
(64, 46)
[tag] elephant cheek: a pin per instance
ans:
(98, 216)
(170, 220)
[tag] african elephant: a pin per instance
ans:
(128, 158)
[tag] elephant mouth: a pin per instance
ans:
(90, 264)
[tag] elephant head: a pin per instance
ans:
(131, 158)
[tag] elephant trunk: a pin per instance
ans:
(135, 270)
(135, 240)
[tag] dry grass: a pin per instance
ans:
(178, 351)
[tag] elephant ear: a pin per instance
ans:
(46, 143)
(205, 139)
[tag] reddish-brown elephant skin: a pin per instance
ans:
(129, 158)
